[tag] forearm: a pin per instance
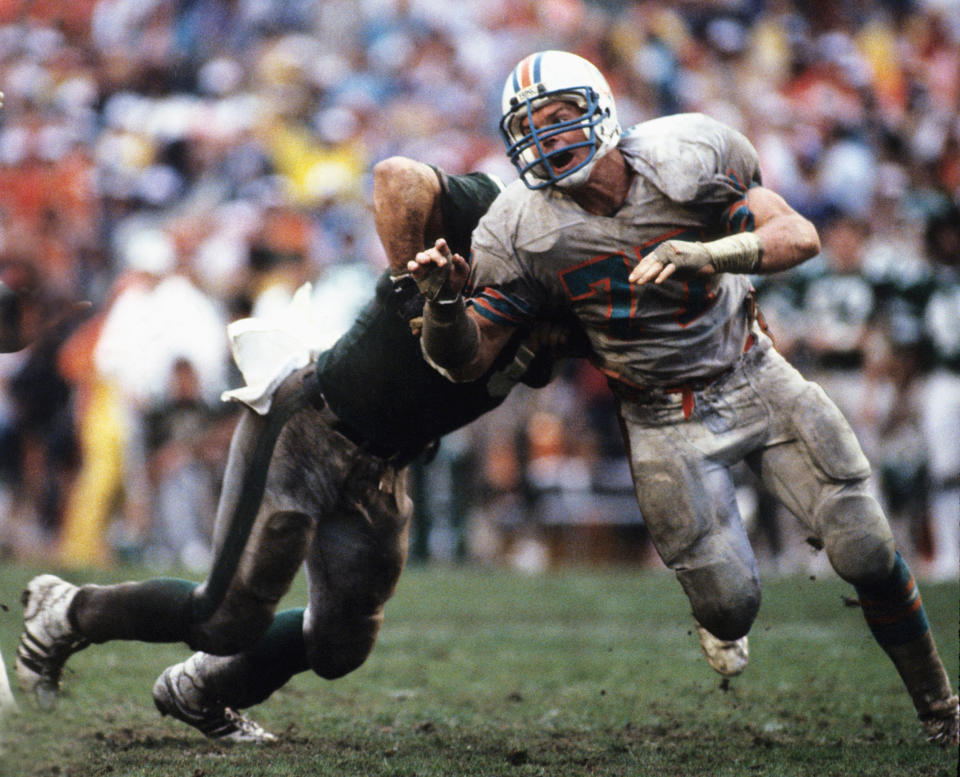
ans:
(787, 241)
(782, 239)
(460, 345)
(787, 237)
(450, 337)
(780, 243)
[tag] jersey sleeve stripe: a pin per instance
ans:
(493, 315)
(735, 179)
(738, 217)
(523, 310)
(497, 306)
(500, 309)
(493, 294)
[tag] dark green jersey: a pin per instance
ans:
(374, 377)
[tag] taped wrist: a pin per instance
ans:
(450, 337)
(740, 253)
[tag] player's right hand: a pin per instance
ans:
(668, 257)
(440, 274)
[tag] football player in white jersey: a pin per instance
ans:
(941, 405)
(648, 237)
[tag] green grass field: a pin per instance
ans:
(493, 673)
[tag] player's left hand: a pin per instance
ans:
(440, 274)
(667, 258)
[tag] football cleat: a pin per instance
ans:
(48, 639)
(942, 723)
(726, 657)
(7, 702)
(178, 692)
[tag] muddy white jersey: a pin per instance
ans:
(538, 253)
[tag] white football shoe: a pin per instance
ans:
(48, 639)
(7, 702)
(728, 658)
(178, 692)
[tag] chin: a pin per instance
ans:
(575, 179)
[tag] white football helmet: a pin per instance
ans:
(545, 77)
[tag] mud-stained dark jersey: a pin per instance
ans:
(375, 378)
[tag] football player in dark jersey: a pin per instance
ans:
(320, 477)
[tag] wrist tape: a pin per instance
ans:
(450, 337)
(740, 253)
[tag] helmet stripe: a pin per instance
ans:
(527, 73)
(524, 69)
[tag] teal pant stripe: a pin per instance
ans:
(893, 608)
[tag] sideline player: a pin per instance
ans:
(648, 238)
(320, 476)
(25, 315)
(10, 340)
(22, 319)
(941, 400)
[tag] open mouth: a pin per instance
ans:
(560, 160)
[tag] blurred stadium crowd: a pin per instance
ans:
(183, 163)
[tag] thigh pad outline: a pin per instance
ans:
(828, 437)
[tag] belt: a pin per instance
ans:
(392, 454)
(686, 390)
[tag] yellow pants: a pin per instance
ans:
(83, 538)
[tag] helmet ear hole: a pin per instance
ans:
(551, 76)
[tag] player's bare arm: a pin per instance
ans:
(788, 238)
(406, 208)
(462, 344)
(781, 239)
